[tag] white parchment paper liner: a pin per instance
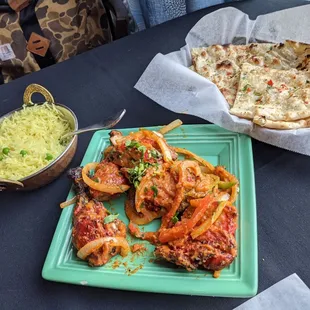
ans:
(290, 293)
(168, 81)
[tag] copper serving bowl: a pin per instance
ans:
(50, 172)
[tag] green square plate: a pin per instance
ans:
(141, 273)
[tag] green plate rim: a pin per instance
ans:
(245, 286)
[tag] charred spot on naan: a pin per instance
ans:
(299, 47)
(276, 62)
(241, 58)
(226, 65)
(259, 61)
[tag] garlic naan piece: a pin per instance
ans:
(221, 64)
(271, 95)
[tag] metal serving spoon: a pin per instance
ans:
(106, 124)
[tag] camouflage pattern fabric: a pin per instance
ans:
(72, 26)
(10, 32)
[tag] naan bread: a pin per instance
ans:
(270, 94)
(303, 123)
(277, 95)
(222, 64)
(247, 93)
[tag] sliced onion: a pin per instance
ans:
(225, 175)
(201, 229)
(161, 143)
(234, 193)
(223, 197)
(158, 134)
(147, 215)
(194, 156)
(68, 202)
(101, 187)
(94, 245)
(140, 196)
(116, 139)
(188, 164)
(142, 217)
(181, 168)
(170, 126)
(174, 207)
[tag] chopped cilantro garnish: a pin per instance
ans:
(135, 144)
(155, 153)
(141, 148)
(110, 218)
(132, 143)
(175, 218)
(135, 174)
(145, 190)
(246, 87)
(155, 190)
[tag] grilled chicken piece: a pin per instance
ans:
(214, 250)
(128, 151)
(88, 223)
(107, 173)
(156, 190)
(148, 213)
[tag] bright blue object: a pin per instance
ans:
(149, 13)
(136, 13)
(159, 11)
(195, 5)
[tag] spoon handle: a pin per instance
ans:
(86, 129)
(109, 123)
